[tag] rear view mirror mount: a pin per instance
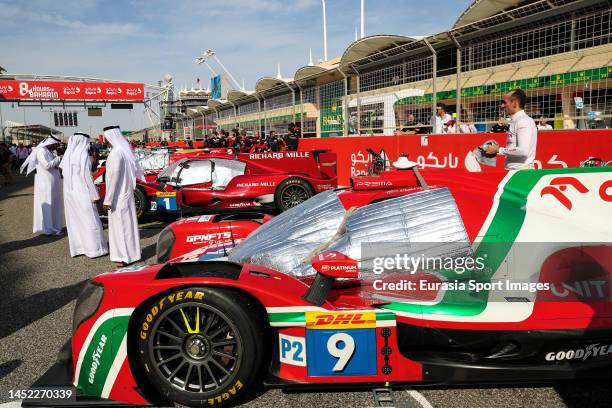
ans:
(329, 265)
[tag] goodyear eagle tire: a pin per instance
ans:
(141, 202)
(201, 346)
(291, 192)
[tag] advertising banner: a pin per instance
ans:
(216, 85)
(73, 91)
(554, 149)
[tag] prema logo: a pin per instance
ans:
(592, 350)
(384, 183)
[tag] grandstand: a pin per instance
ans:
(558, 51)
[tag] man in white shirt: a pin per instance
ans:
(442, 118)
(522, 139)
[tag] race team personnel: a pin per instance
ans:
(522, 138)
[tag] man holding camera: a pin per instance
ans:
(522, 139)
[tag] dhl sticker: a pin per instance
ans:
(165, 194)
(340, 320)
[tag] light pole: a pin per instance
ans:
(201, 60)
(324, 31)
(204, 59)
(362, 18)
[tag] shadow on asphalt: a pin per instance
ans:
(9, 367)
(26, 311)
(28, 243)
(16, 196)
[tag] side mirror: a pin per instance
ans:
(329, 266)
(335, 265)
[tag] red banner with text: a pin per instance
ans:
(555, 149)
(73, 91)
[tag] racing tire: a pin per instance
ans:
(201, 346)
(141, 202)
(292, 192)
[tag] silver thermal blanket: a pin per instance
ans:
(283, 243)
(426, 223)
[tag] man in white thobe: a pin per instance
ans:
(48, 206)
(85, 233)
(122, 170)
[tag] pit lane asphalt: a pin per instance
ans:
(40, 282)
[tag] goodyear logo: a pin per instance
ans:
(340, 320)
(165, 194)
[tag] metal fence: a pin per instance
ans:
(563, 63)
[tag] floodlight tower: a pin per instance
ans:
(324, 30)
(203, 59)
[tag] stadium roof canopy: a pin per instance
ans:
(33, 133)
(235, 94)
(374, 44)
(308, 71)
(266, 83)
(481, 9)
(214, 103)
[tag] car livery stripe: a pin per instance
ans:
(115, 367)
(297, 316)
(103, 353)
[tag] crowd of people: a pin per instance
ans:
(445, 123)
(242, 141)
(11, 158)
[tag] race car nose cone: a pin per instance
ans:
(196, 347)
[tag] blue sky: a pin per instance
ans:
(140, 40)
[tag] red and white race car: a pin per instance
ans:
(216, 181)
(322, 296)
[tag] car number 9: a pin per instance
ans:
(344, 353)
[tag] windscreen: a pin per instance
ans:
(153, 160)
(195, 172)
(225, 171)
(170, 172)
